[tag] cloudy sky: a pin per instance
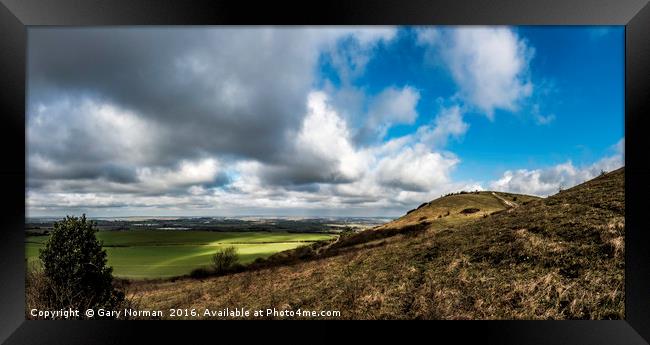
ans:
(370, 121)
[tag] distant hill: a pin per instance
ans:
(464, 256)
(460, 207)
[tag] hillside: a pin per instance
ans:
(459, 208)
(555, 258)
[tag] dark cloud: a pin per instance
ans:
(170, 117)
(74, 171)
(220, 180)
(210, 90)
(303, 173)
(103, 102)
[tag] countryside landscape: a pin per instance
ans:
(359, 173)
(469, 255)
(154, 248)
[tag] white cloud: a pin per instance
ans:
(619, 147)
(598, 32)
(324, 142)
(548, 181)
(449, 123)
(336, 174)
(544, 119)
(539, 118)
(391, 107)
(187, 173)
(416, 169)
(370, 35)
(427, 36)
(489, 65)
(324, 139)
(351, 61)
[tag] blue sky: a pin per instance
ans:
(579, 76)
(315, 120)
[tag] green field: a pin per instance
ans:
(140, 254)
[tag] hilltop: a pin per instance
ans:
(459, 208)
(560, 257)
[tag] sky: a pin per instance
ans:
(314, 121)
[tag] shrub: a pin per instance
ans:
(225, 259)
(74, 272)
(259, 260)
(36, 287)
(200, 272)
(470, 210)
(304, 252)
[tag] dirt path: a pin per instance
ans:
(321, 249)
(507, 202)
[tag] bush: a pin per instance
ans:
(225, 259)
(470, 210)
(36, 287)
(200, 272)
(74, 272)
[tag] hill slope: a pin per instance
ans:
(560, 258)
(460, 207)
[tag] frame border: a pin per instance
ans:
(16, 15)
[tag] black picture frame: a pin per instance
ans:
(16, 15)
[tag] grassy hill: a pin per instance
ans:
(559, 257)
(459, 208)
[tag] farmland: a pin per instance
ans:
(148, 254)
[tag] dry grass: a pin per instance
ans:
(554, 258)
(449, 210)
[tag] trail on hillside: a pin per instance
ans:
(320, 250)
(507, 202)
